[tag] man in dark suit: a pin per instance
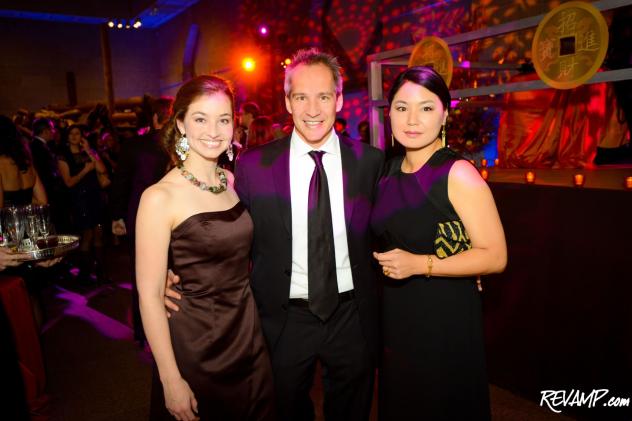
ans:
(45, 163)
(44, 160)
(143, 162)
(317, 298)
(249, 111)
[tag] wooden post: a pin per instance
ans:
(71, 88)
(106, 58)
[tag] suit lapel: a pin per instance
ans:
(281, 177)
(349, 164)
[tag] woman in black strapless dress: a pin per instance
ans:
(212, 361)
(19, 182)
(433, 361)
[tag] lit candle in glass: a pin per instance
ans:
(496, 161)
(529, 177)
(578, 180)
(483, 162)
(628, 183)
(485, 174)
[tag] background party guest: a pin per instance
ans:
(19, 182)
(143, 161)
(85, 174)
(260, 131)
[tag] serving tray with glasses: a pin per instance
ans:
(40, 244)
(49, 248)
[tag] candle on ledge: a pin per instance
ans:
(496, 161)
(578, 180)
(484, 174)
(529, 177)
(483, 162)
(628, 183)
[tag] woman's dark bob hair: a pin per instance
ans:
(426, 77)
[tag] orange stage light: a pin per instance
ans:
(248, 64)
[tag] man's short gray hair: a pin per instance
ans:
(310, 56)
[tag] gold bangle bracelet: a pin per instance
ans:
(429, 273)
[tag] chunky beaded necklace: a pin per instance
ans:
(213, 189)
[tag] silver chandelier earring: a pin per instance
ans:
(182, 148)
(229, 151)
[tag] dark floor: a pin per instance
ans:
(97, 372)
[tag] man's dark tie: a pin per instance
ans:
(321, 255)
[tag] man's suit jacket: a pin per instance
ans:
(263, 184)
(45, 163)
(143, 162)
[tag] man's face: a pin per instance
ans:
(246, 119)
(48, 134)
(313, 103)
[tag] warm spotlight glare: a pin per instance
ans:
(137, 23)
(119, 25)
(248, 64)
(287, 61)
(263, 30)
(111, 24)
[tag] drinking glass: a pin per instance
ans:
(14, 220)
(43, 220)
(32, 229)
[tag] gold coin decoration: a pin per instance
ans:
(570, 45)
(433, 52)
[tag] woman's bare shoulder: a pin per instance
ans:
(163, 192)
(463, 173)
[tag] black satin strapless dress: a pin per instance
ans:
(216, 335)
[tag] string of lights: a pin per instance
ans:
(124, 23)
